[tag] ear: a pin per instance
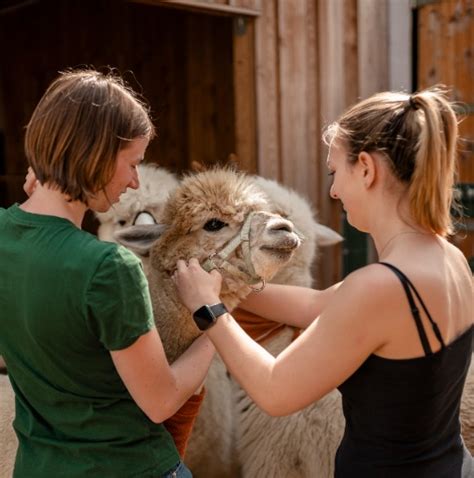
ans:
(233, 162)
(139, 239)
(197, 166)
(325, 236)
(367, 164)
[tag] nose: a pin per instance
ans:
(280, 225)
(332, 193)
(135, 181)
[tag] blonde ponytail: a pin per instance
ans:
(432, 184)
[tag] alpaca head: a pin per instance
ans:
(206, 217)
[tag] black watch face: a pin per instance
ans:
(203, 317)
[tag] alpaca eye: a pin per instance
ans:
(214, 225)
(122, 222)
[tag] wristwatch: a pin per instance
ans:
(206, 316)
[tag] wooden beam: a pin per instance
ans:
(267, 86)
(244, 93)
(205, 6)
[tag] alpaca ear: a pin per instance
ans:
(233, 162)
(139, 239)
(197, 166)
(325, 236)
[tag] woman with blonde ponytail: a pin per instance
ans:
(395, 337)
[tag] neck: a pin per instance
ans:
(388, 243)
(51, 202)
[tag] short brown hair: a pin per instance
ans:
(418, 134)
(77, 129)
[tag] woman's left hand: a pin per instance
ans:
(196, 287)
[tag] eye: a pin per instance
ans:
(331, 173)
(214, 225)
(122, 222)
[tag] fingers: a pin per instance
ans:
(182, 265)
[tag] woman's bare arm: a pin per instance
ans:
(292, 305)
(158, 388)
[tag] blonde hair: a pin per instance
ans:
(418, 134)
(82, 121)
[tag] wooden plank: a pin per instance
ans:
(292, 94)
(332, 27)
(313, 126)
(373, 46)
(244, 93)
(299, 133)
(400, 24)
(267, 86)
(250, 4)
(206, 6)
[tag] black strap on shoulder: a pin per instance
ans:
(408, 286)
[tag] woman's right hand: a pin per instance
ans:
(30, 182)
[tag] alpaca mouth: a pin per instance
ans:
(282, 252)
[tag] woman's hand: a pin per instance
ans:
(196, 287)
(30, 182)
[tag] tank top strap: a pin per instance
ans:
(409, 287)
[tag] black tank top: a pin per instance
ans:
(402, 416)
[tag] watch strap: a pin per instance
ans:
(218, 309)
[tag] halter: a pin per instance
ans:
(243, 237)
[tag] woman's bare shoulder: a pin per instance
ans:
(368, 290)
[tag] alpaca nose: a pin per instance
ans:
(280, 225)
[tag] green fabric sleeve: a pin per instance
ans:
(118, 300)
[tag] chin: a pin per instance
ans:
(355, 225)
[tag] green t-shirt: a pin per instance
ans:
(66, 300)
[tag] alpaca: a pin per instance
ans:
(299, 445)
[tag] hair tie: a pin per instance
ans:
(412, 102)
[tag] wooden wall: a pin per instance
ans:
(259, 78)
(313, 59)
